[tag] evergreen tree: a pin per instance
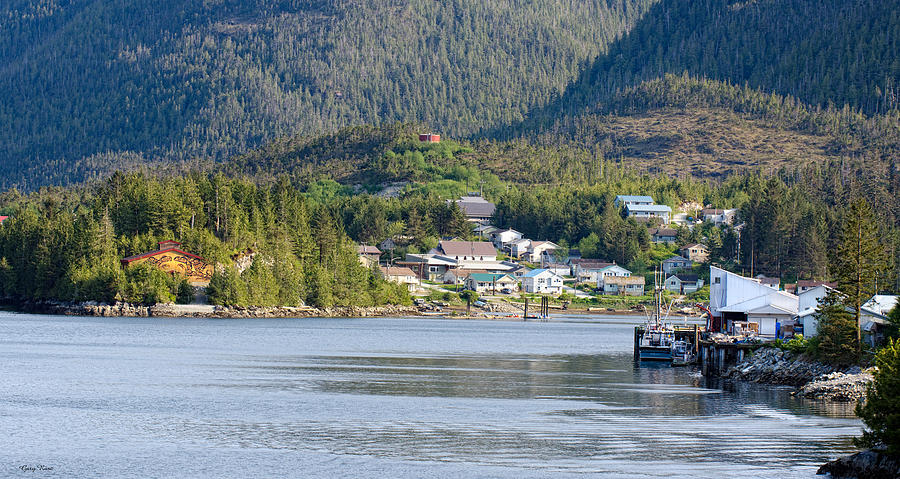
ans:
(881, 410)
(837, 340)
(859, 259)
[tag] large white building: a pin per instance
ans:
(744, 304)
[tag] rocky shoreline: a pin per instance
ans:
(814, 379)
(869, 464)
(121, 309)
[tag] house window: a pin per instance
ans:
(718, 280)
(432, 269)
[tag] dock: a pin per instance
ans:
(716, 357)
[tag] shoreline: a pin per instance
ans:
(165, 310)
(121, 309)
(811, 379)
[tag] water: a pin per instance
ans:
(383, 398)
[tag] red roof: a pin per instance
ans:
(396, 271)
(809, 283)
(366, 249)
(154, 253)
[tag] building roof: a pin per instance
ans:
(692, 245)
(476, 207)
(161, 251)
(3, 218)
(535, 244)
(625, 280)
(680, 259)
(663, 231)
(712, 211)
(430, 259)
(686, 278)
(767, 280)
(810, 283)
(537, 272)
(486, 229)
(367, 249)
(396, 271)
(650, 208)
(467, 248)
(594, 265)
(630, 198)
(490, 277)
(881, 304)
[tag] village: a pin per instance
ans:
(503, 270)
(506, 268)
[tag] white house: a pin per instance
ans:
(676, 263)
(718, 217)
(611, 271)
(542, 281)
(503, 237)
(637, 200)
(401, 275)
(537, 249)
(744, 304)
(809, 306)
(662, 212)
(490, 282)
(682, 283)
(588, 270)
(874, 315)
(519, 248)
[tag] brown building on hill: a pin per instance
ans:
(171, 259)
(804, 285)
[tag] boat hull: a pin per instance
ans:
(655, 353)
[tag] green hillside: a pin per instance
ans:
(84, 81)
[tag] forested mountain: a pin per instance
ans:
(180, 79)
(822, 52)
(88, 86)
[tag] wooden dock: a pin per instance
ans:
(716, 357)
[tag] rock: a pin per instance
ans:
(868, 464)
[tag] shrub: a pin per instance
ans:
(798, 344)
(881, 411)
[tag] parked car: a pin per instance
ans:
(479, 303)
(419, 301)
(506, 291)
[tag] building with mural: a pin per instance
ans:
(171, 259)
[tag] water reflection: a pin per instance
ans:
(417, 398)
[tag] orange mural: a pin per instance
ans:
(172, 260)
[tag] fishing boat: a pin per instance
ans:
(656, 344)
(682, 353)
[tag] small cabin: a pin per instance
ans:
(429, 138)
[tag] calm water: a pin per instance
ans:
(382, 398)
